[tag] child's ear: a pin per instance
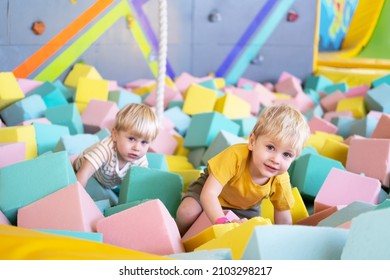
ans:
(251, 141)
(114, 134)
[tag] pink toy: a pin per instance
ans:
(343, 187)
(70, 208)
(329, 102)
(319, 124)
(382, 128)
(147, 227)
(94, 122)
(12, 152)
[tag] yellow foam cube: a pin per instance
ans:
(10, 91)
(298, 211)
(18, 243)
(188, 176)
(206, 235)
(317, 139)
(235, 239)
(336, 150)
(81, 70)
(81, 106)
(88, 89)
(176, 162)
(21, 134)
(180, 149)
(232, 106)
(354, 104)
(199, 99)
(220, 82)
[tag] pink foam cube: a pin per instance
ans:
(371, 157)
(286, 75)
(184, 80)
(329, 115)
(70, 208)
(319, 124)
(289, 85)
(329, 102)
(147, 227)
(342, 187)
(267, 97)
(28, 85)
(170, 94)
(105, 118)
(165, 142)
(12, 152)
(244, 81)
(203, 222)
(360, 90)
(382, 129)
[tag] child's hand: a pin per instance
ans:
(239, 221)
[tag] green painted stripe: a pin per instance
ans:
(73, 52)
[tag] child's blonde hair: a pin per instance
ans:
(140, 119)
(284, 123)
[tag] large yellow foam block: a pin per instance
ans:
(237, 238)
(354, 104)
(10, 90)
(336, 150)
(21, 134)
(199, 99)
(88, 89)
(232, 106)
(81, 70)
(206, 235)
(298, 211)
(17, 243)
(318, 139)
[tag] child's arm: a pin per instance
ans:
(282, 217)
(85, 172)
(209, 198)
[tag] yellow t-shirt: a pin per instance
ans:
(230, 168)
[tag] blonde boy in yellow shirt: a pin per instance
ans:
(241, 176)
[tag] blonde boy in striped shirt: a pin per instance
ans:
(108, 161)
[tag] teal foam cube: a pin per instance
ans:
(180, 119)
(28, 108)
(378, 99)
(344, 125)
(295, 242)
(75, 144)
(67, 115)
(157, 161)
(204, 127)
(48, 135)
(246, 125)
(364, 126)
(51, 95)
(66, 92)
(342, 86)
(317, 83)
(310, 172)
(145, 183)
(28, 181)
(367, 237)
(123, 97)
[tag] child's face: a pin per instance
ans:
(269, 158)
(129, 147)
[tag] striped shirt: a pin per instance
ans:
(103, 156)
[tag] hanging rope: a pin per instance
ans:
(162, 58)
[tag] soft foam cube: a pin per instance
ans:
(382, 130)
(371, 157)
(232, 106)
(51, 95)
(315, 218)
(10, 91)
(12, 152)
(148, 219)
(48, 135)
(205, 127)
(105, 119)
(145, 183)
(295, 243)
(123, 97)
(165, 142)
(81, 70)
(365, 239)
(199, 99)
(67, 115)
(70, 208)
(30, 107)
(88, 89)
(342, 187)
(24, 134)
(335, 150)
(25, 182)
(364, 126)
(378, 99)
(180, 119)
(75, 144)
